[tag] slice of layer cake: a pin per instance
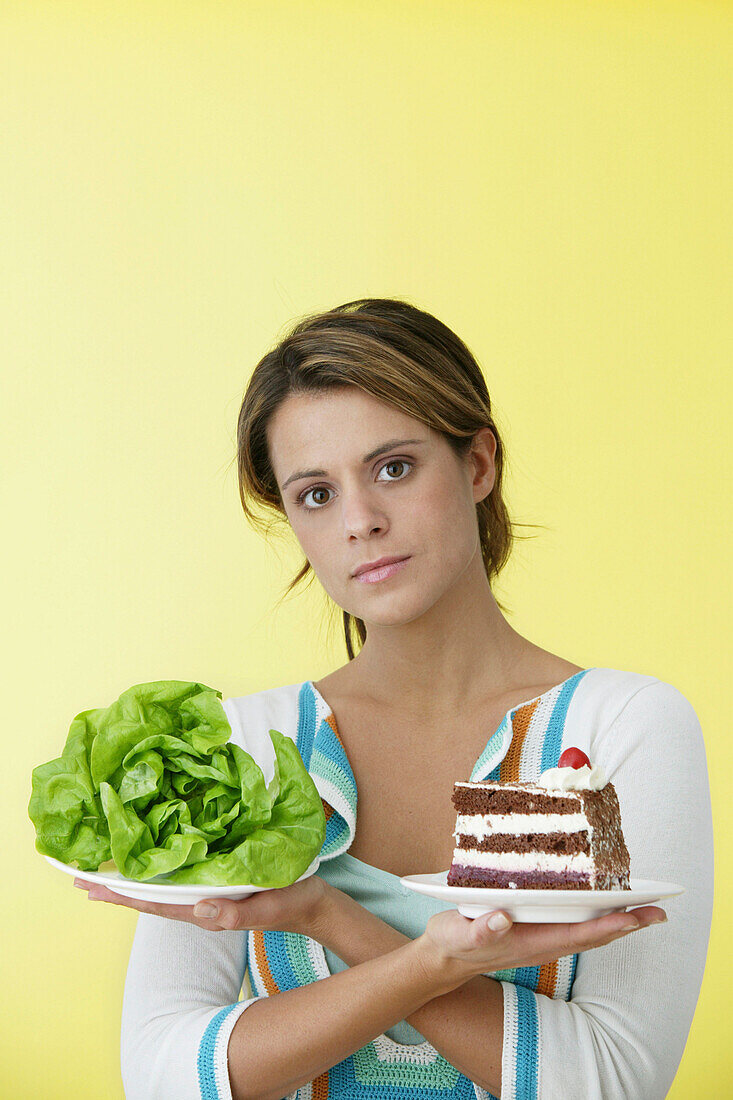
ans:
(563, 832)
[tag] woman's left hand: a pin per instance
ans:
(297, 908)
(470, 946)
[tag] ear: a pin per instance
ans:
(481, 455)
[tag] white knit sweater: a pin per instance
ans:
(621, 1034)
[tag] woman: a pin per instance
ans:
(369, 429)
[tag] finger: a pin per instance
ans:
(102, 893)
(612, 924)
(648, 914)
(616, 924)
(263, 909)
(224, 914)
(571, 938)
(488, 926)
(186, 913)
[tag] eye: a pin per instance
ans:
(395, 462)
(310, 507)
(301, 500)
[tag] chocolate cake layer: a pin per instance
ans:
(563, 843)
(503, 800)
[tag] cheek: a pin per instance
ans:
(447, 521)
(314, 540)
(442, 506)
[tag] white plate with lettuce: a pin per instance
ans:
(154, 798)
(168, 893)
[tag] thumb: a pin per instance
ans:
(491, 925)
(221, 912)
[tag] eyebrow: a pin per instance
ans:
(367, 458)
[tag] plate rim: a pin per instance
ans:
(650, 886)
(115, 879)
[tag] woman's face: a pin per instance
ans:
(361, 480)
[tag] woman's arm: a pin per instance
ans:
(180, 979)
(285, 1041)
(632, 1004)
(180, 1007)
(466, 1024)
(288, 1040)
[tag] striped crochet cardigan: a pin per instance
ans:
(528, 740)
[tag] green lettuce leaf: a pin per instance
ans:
(154, 783)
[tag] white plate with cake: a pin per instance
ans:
(548, 851)
(541, 906)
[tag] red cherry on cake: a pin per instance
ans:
(573, 758)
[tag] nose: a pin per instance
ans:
(362, 514)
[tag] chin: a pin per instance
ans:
(394, 612)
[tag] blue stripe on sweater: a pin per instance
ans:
(279, 961)
(527, 1045)
(553, 736)
(527, 976)
(205, 1058)
(306, 723)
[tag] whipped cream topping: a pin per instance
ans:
(573, 779)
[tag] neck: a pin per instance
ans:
(460, 653)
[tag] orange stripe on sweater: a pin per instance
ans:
(547, 979)
(332, 723)
(319, 1087)
(509, 767)
(262, 963)
(509, 771)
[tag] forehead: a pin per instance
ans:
(336, 426)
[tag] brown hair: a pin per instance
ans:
(399, 354)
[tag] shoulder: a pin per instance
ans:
(252, 716)
(606, 696)
(277, 704)
(622, 715)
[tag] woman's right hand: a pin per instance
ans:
(467, 947)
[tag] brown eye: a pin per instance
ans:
(312, 507)
(400, 462)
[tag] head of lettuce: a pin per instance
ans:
(154, 783)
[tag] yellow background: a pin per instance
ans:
(181, 179)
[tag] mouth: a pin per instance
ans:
(381, 570)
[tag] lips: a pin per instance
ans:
(379, 562)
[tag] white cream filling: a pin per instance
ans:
(522, 861)
(483, 825)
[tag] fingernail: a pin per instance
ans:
(206, 909)
(659, 920)
(498, 922)
(80, 885)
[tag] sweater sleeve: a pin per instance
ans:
(624, 1029)
(179, 1007)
